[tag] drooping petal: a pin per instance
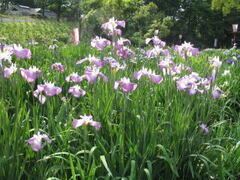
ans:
(22, 53)
(58, 66)
(156, 78)
(121, 23)
(74, 77)
(9, 71)
(77, 123)
(76, 91)
(30, 74)
(82, 61)
(216, 93)
(96, 125)
(36, 143)
(46, 138)
(105, 78)
(204, 128)
(128, 87)
(91, 77)
(137, 75)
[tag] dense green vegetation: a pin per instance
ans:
(39, 31)
(177, 118)
(199, 21)
(151, 133)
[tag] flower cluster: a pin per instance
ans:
(125, 85)
(149, 73)
(49, 89)
(31, 74)
(186, 49)
(111, 27)
(8, 71)
(100, 43)
(92, 59)
(193, 84)
(58, 66)
(182, 75)
(86, 120)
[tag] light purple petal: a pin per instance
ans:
(105, 78)
(116, 84)
(82, 61)
(121, 23)
(29, 76)
(77, 123)
(91, 77)
(216, 94)
(128, 87)
(204, 128)
(42, 99)
(35, 144)
(76, 91)
(156, 78)
(46, 138)
(96, 125)
(137, 75)
(23, 53)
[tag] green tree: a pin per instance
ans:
(226, 5)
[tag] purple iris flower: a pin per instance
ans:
(114, 64)
(58, 66)
(186, 49)
(153, 52)
(5, 56)
(146, 72)
(9, 71)
(86, 120)
(93, 73)
(49, 89)
(156, 41)
(30, 74)
(216, 92)
(92, 59)
(120, 42)
(156, 51)
(204, 128)
(125, 85)
(22, 53)
(124, 52)
(166, 63)
(231, 61)
(100, 43)
(167, 66)
(74, 77)
(76, 91)
(215, 62)
(111, 26)
(36, 141)
(192, 83)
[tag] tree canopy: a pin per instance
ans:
(199, 21)
(226, 5)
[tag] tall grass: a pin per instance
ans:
(151, 133)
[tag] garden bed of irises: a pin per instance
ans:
(112, 111)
